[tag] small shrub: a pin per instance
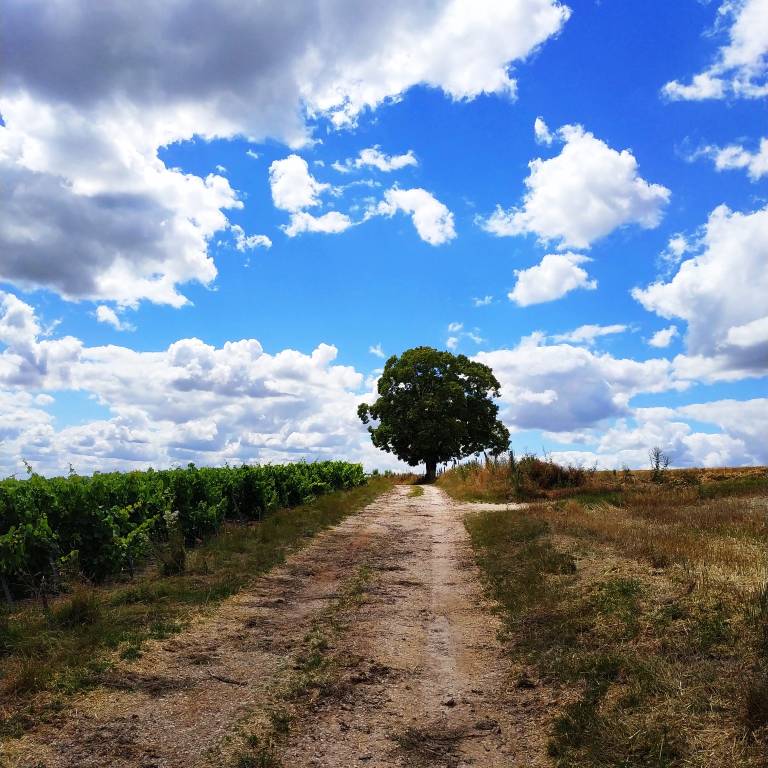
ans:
(82, 609)
(25, 676)
(659, 463)
(508, 477)
(281, 721)
(173, 555)
(546, 475)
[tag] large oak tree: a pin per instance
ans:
(435, 406)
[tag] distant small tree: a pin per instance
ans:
(433, 407)
(659, 463)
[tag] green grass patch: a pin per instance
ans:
(617, 600)
(415, 492)
(516, 558)
(68, 648)
(736, 486)
(595, 497)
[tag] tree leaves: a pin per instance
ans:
(435, 406)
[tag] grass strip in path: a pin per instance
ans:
(317, 672)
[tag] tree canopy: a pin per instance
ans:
(434, 406)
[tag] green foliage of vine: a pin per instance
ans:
(104, 525)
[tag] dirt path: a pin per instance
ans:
(423, 680)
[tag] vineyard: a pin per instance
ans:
(107, 524)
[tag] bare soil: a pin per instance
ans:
(420, 675)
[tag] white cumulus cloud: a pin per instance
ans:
(29, 359)
(742, 420)
(105, 314)
(738, 157)
(458, 333)
(207, 404)
(677, 247)
(293, 186)
(331, 223)
(564, 387)
(588, 334)
(432, 219)
(740, 68)
(87, 214)
(702, 86)
(550, 279)
(373, 157)
(542, 132)
(239, 402)
(245, 242)
(663, 338)
(739, 442)
(581, 195)
(294, 189)
(721, 293)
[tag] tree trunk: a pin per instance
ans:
(431, 471)
(6, 591)
(55, 575)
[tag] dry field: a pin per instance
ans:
(647, 601)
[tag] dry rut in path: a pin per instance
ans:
(423, 681)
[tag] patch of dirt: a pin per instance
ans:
(423, 681)
(153, 685)
(429, 744)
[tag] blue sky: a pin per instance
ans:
(132, 176)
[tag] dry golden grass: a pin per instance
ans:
(711, 549)
(527, 478)
(477, 482)
(660, 625)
